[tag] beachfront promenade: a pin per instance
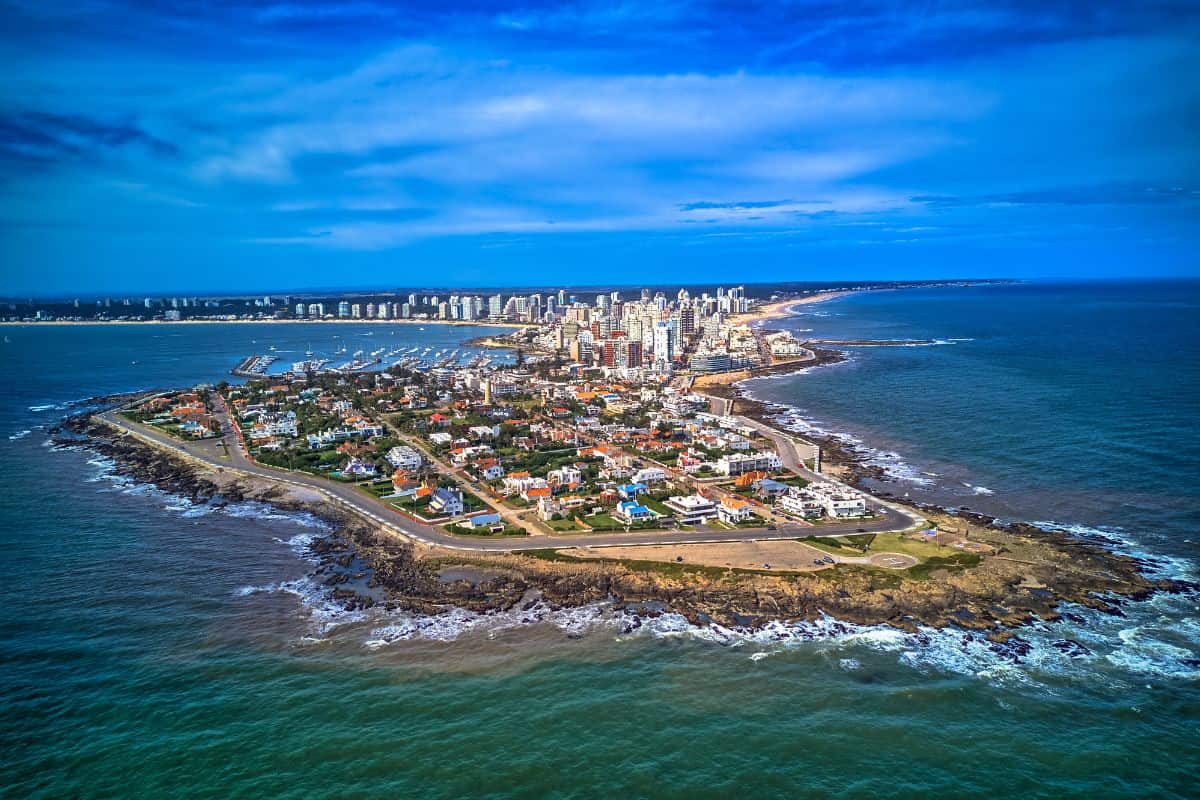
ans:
(227, 453)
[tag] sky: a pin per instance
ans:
(205, 146)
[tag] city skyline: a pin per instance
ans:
(158, 147)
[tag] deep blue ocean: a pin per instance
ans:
(153, 649)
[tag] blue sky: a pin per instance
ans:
(196, 146)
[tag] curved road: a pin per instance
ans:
(212, 452)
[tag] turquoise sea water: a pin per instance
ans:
(151, 649)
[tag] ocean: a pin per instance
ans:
(151, 648)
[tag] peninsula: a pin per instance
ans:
(612, 462)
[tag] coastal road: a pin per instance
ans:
(785, 445)
(213, 453)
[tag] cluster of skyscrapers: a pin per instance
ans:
(651, 330)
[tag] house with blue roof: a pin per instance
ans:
(630, 512)
(489, 521)
(631, 490)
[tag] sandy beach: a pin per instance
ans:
(783, 308)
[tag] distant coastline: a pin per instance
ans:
(476, 323)
(784, 308)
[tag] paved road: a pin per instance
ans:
(213, 453)
(786, 447)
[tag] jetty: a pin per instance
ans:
(253, 366)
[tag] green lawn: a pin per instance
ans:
(509, 530)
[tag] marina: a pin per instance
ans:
(339, 359)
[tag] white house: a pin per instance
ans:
(801, 503)
(733, 510)
(631, 511)
(737, 463)
(548, 507)
(692, 509)
(482, 432)
(491, 472)
(493, 522)
(839, 501)
(519, 482)
(649, 475)
(446, 501)
(565, 476)
(357, 468)
(404, 457)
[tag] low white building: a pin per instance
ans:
(404, 457)
(482, 432)
(565, 476)
(820, 499)
(692, 509)
(732, 510)
(801, 503)
(738, 463)
(357, 468)
(649, 475)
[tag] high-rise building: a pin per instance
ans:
(687, 320)
(633, 353)
(664, 342)
(343, 309)
(299, 309)
(356, 310)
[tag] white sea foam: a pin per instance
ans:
(323, 613)
(1117, 539)
(891, 462)
(19, 435)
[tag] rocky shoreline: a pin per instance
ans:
(1034, 573)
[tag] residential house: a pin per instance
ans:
(693, 509)
(736, 463)
(357, 468)
(732, 510)
(840, 502)
(448, 502)
(630, 512)
(801, 503)
(565, 476)
(492, 522)
(533, 494)
(649, 475)
(769, 488)
(404, 457)
(548, 508)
